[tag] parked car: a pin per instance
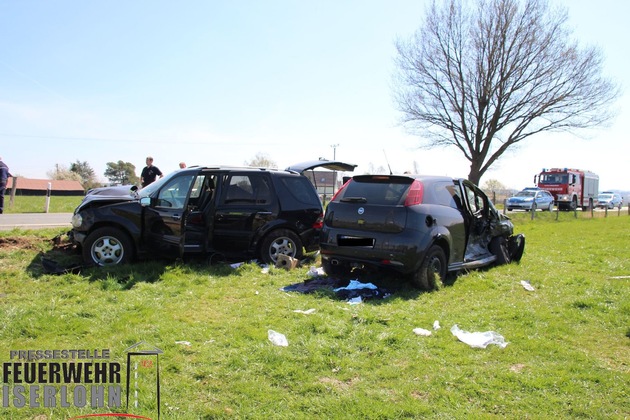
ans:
(420, 226)
(609, 199)
(227, 211)
(525, 200)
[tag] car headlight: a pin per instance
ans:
(563, 197)
(77, 220)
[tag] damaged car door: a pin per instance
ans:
(165, 214)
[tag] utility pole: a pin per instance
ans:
(334, 146)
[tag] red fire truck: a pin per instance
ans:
(571, 188)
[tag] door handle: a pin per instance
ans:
(177, 217)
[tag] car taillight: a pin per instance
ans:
(415, 194)
(340, 189)
(319, 223)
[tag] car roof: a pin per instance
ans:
(295, 168)
(410, 176)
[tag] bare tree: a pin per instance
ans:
(261, 160)
(486, 76)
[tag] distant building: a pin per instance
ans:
(26, 186)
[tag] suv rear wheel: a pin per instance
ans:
(432, 270)
(107, 246)
(281, 241)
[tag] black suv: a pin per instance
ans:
(420, 226)
(227, 211)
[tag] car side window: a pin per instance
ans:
(445, 194)
(248, 189)
(174, 193)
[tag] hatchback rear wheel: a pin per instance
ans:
(432, 270)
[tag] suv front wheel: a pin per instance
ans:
(432, 269)
(281, 241)
(107, 246)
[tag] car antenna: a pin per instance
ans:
(387, 160)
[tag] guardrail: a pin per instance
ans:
(592, 211)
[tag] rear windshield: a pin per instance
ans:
(384, 190)
(301, 190)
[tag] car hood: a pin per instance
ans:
(115, 191)
(108, 195)
(520, 199)
(333, 165)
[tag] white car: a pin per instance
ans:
(609, 199)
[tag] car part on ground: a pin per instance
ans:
(423, 227)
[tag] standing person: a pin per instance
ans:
(149, 173)
(4, 175)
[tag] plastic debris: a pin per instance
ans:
(306, 312)
(355, 300)
(422, 331)
(314, 272)
(355, 284)
(478, 340)
(436, 325)
(527, 286)
(184, 343)
(277, 338)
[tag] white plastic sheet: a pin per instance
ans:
(479, 340)
(277, 338)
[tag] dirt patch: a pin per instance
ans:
(21, 243)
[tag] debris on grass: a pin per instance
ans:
(286, 262)
(277, 338)
(306, 312)
(422, 332)
(527, 286)
(478, 340)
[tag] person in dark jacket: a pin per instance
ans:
(4, 176)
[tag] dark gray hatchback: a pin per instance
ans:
(420, 226)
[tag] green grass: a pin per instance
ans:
(568, 354)
(37, 204)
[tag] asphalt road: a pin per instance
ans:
(35, 220)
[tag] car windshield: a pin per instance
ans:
(526, 194)
(605, 197)
(154, 186)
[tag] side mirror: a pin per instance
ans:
(145, 201)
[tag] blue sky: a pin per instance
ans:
(216, 82)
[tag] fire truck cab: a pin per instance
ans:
(571, 188)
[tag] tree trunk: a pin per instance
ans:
(475, 173)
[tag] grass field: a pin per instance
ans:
(568, 354)
(37, 204)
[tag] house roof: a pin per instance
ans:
(42, 184)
